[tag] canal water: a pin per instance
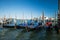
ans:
(22, 34)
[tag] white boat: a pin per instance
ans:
(1, 23)
(9, 23)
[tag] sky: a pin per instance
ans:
(25, 8)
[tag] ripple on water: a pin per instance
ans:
(22, 34)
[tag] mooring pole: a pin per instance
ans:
(59, 15)
(59, 20)
(43, 18)
(15, 21)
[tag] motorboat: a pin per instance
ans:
(9, 23)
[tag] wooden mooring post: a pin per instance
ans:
(59, 15)
(59, 22)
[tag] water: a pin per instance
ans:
(22, 34)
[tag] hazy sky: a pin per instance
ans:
(18, 7)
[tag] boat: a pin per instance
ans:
(35, 25)
(30, 25)
(1, 24)
(9, 23)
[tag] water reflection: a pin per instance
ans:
(22, 34)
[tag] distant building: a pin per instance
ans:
(35, 18)
(51, 18)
